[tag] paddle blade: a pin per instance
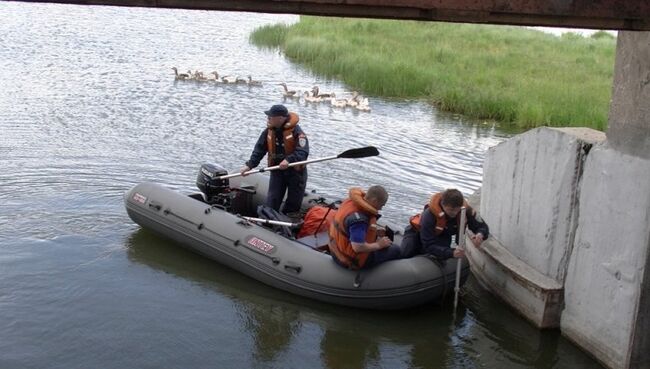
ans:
(362, 152)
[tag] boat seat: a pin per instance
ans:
(316, 241)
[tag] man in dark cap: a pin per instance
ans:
(284, 142)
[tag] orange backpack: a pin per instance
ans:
(314, 223)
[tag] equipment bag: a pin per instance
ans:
(316, 222)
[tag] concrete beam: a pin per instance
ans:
(605, 14)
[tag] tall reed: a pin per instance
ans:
(504, 73)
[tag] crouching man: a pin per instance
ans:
(430, 232)
(353, 233)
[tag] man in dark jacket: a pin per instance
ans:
(430, 232)
(284, 142)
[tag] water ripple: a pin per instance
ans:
(89, 107)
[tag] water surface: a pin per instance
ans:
(89, 107)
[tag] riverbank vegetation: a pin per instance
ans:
(508, 74)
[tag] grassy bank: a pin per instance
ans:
(509, 74)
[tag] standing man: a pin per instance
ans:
(430, 232)
(284, 142)
(353, 233)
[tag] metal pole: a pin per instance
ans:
(273, 222)
(275, 167)
(461, 245)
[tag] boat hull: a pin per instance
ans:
(287, 264)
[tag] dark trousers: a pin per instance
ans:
(392, 252)
(411, 244)
(287, 181)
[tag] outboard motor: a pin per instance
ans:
(216, 191)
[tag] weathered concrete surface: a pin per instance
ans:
(535, 296)
(629, 115)
(530, 189)
(606, 290)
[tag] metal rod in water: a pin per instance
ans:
(461, 245)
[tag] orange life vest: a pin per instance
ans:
(340, 244)
(289, 142)
(436, 209)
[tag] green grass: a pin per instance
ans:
(502, 73)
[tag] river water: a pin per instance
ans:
(89, 107)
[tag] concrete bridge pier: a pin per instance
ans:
(607, 288)
(569, 210)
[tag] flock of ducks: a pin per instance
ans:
(314, 95)
(214, 77)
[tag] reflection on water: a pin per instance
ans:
(425, 337)
(89, 107)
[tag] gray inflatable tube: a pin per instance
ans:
(288, 264)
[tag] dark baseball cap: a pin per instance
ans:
(277, 111)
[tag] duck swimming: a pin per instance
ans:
(252, 82)
(198, 75)
(317, 94)
(287, 92)
(311, 98)
(180, 76)
(354, 100)
(338, 103)
(363, 105)
(228, 79)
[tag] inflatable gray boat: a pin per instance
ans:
(216, 224)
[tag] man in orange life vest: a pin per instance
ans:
(430, 232)
(284, 142)
(353, 233)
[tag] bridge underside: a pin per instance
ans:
(604, 14)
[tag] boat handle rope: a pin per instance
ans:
(199, 226)
(297, 268)
(155, 205)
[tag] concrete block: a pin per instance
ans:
(535, 296)
(530, 188)
(606, 288)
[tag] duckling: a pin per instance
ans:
(363, 105)
(240, 81)
(251, 82)
(311, 98)
(354, 100)
(216, 76)
(198, 75)
(316, 94)
(180, 76)
(228, 79)
(287, 92)
(338, 103)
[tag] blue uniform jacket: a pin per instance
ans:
(439, 245)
